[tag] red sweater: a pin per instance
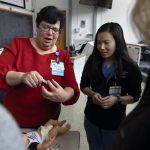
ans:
(27, 104)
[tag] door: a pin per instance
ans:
(61, 42)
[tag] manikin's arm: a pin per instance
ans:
(43, 137)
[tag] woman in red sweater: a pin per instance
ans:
(36, 74)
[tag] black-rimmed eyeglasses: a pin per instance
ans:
(46, 28)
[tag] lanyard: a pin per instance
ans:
(57, 56)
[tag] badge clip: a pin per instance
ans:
(57, 55)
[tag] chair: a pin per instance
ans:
(134, 52)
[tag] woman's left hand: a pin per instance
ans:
(108, 101)
(56, 92)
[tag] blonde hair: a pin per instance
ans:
(141, 18)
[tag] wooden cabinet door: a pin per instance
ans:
(61, 42)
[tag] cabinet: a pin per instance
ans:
(78, 65)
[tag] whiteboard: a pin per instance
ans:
(19, 3)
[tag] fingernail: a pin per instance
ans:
(44, 81)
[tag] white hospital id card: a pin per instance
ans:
(57, 68)
(115, 90)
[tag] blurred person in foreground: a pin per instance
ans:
(10, 135)
(135, 129)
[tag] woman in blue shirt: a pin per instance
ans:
(110, 79)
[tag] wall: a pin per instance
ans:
(79, 32)
(28, 4)
(81, 13)
(61, 4)
(119, 13)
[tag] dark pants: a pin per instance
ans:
(99, 139)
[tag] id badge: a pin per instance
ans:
(115, 90)
(57, 68)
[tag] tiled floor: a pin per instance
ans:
(74, 114)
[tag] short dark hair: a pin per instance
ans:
(50, 14)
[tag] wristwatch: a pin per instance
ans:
(118, 98)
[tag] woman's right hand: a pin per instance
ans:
(32, 79)
(96, 97)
